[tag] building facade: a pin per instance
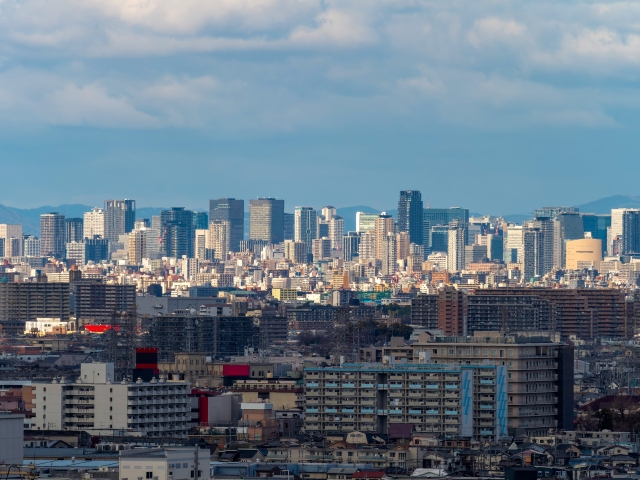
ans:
(52, 234)
(266, 220)
(231, 210)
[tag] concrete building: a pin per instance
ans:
(202, 245)
(336, 232)
(11, 438)
(93, 223)
(583, 253)
(52, 234)
(387, 254)
(295, 251)
(402, 245)
(22, 302)
(220, 238)
(306, 226)
(617, 226)
(31, 246)
(177, 232)
(384, 226)
(410, 215)
(452, 400)
(99, 302)
(366, 222)
(266, 220)
(321, 248)
(367, 249)
(7, 232)
(289, 226)
(231, 210)
(95, 402)
(456, 248)
(74, 230)
(350, 246)
(258, 423)
(514, 244)
(534, 253)
(166, 463)
(119, 218)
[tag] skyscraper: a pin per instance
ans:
(231, 210)
(295, 251)
(220, 238)
(52, 234)
(306, 226)
(74, 230)
(567, 226)
(514, 244)
(289, 228)
(617, 228)
(534, 258)
(597, 225)
(384, 226)
(266, 220)
(366, 222)
(350, 246)
(546, 226)
(455, 251)
(119, 217)
(336, 231)
(410, 215)
(387, 254)
(444, 216)
(93, 223)
(7, 232)
(200, 220)
(631, 232)
(177, 232)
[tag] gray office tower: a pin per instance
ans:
(351, 246)
(74, 231)
(231, 210)
(52, 234)
(410, 215)
(119, 218)
(266, 220)
(631, 232)
(597, 225)
(177, 232)
(289, 226)
(200, 220)
(444, 216)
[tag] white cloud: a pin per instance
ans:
(492, 29)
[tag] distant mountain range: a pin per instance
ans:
(30, 217)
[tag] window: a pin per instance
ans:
(510, 353)
(149, 474)
(435, 351)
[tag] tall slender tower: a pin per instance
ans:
(52, 233)
(231, 210)
(384, 226)
(266, 220)
(410, 215)
(305, 226)
(119, 218)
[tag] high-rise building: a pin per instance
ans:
(384, 225)
(22, 302)
(289, 226)
(93, 223)
(350, 246)
(295, 251)
(31, 246)
(444, 216)
(534, 258)
(306, 226)
(202, 244)
(119, 217)
(552, 212)
(7, 232)
(455, 251)
(97, 249)
(74, 230)
(321, 248)
(231, 210)
(402, 245)
(366, 222)
(367, 245)
(597, 226)
(494, 245)
(387, 253)
(336, 231)
(52, 234)
(567, 226)
(514, 244)
(583, 254)
(410, 215)
(546, 226)
(75, 252)
(631, 232)
(200, 220)
(439, 238)
(220, 238)
(266, 220)
(177, 232)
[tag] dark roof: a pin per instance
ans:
(248, 453)
(400, 430)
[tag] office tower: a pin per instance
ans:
(328, 212)
(31, 246)
(616, 230)
(584, 253)
(136, 247)
(289, 226)
(546, 226)
(567, 226)
(202, 243)
(439, 238)
(306, 226)
(387, 253)
(74, 230)
(444, 216)
(200, 220)
(75, 252)
(119, 217)
(383, 226)
(96, 249)
(367, 245)
(155, 222)
(176, 232)
(455, 249)
(52, 234)
(631, 232)
(7, 232)
(474, 253)
(402, 245)
(494, 245)
(93, 223)
(597, 226)
(534, 258)
(336, 231)
(514, 244)
(366, 222)
(321, 249)
(410, 215)
(350, 246)
(266, 220)
(323, 228)
(232, 211)
(220, 238)
(295, 251)
(553, 212)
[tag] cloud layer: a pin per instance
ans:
(265, 66)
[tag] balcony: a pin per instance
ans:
(486, 381)
(485, 406)
(395, 411)
(395, 385)
(367, 385)
(331, 384)
(383, 386)
(486, 432)
(415, 386)
(366, 410)
(415, 412)
(382, 412)
(312, 410)
(312, 384)
(348, 410)
(451, 386)
(432, 411)
(330, 410)
(349, 385)
(431, 386)
(451, 412)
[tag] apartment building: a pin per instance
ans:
(540, 374)
(95, 403)
(452, 400)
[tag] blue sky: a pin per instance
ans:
(498, 106)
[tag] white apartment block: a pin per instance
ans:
(94, 223)
(97, 404)
(169, 463)
(9, 232)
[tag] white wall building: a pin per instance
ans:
(12, 235)
(169, 463)
(95, 403)
(94, 223)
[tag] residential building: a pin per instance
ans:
(220, 238)
(451, 400)
(119, 217)
(31, 246)
(266, 220)
(456, 248)
(384, 226)
(514, 244)
(289, 226)
(7, 232)
(533, 249)
(231, 210)
(100, 302)
(295, 251)
(387, 254)
(74, 230)
(336, 231)
(52, 234)
(350, 246)
(22, 302)
(97, 403)
(631, 232)
(200, 221)
(321, 249)
(93, 223)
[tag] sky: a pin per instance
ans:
(498, 106)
